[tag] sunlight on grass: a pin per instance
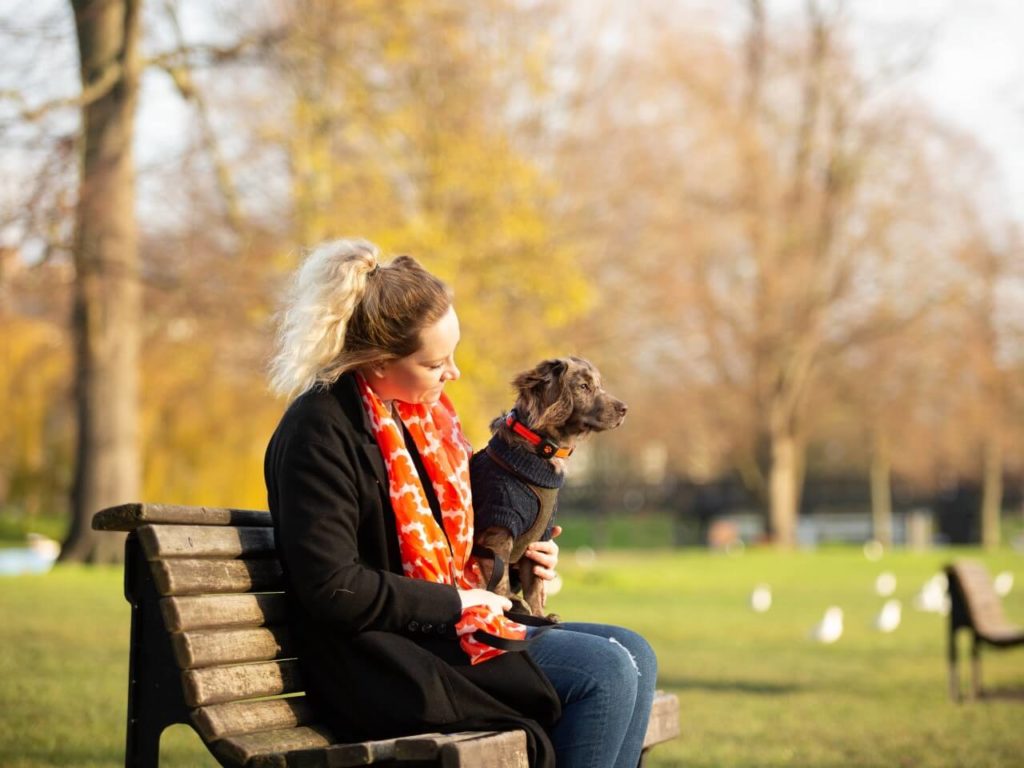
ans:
(754, 689)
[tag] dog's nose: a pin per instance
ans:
(621, 408)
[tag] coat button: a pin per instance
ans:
(414, 626)
(427, 627)
(442, 628)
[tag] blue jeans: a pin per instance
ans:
(605, 677)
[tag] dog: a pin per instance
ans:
(515, 479)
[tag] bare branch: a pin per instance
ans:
(179, 64)
(95, 91)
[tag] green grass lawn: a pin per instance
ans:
(753, 689)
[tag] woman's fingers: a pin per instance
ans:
(545, 556)
(474, 597)
(544, 573)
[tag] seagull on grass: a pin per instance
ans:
(830, 628)
(885, 584)
(761, 598)
(889, 617)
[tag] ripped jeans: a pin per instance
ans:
(605, 677)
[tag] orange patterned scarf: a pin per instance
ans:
(427, 551)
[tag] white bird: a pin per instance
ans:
(761, 598)
(885, 584)
(1003, 583)
(830, 628)
(889, 617)
(933, 597)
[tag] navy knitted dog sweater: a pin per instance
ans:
(502, 499)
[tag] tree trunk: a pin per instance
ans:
(785, 485)
(881, 490)
(991, 492)
(106, 301)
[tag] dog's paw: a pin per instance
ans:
(520, 606)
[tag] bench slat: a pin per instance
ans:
(207, 648)
(215, 685)
(128, 517)
(194, 577)
(198, 541)
(363, 753)
(348, 755)
(664, 722)
(210, 611)
(237, 717)
(428, 746)
(245, 747)
(506, 749)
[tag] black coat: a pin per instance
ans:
(378, 650)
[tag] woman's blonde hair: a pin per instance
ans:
(346, 310)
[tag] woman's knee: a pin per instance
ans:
(639, 650)
(616, 669)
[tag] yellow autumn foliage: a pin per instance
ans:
(35, 419)
(404, 144)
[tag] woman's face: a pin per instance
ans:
(421, 376)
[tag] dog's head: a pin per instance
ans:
(563, 399)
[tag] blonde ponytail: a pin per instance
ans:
(328, 287)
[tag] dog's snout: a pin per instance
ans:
(621, 407)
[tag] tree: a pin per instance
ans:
(761, 201)
(400, 132)
(106, 304)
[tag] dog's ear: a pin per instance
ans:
(555, 402)
(555, 416)
(535, 388)
(540, 375)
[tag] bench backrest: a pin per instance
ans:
(218, 586)
(974, 602)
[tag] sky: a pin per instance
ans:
(970, 63)
(972, 71)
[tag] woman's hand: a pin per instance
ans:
(473, 597)
(545, 555)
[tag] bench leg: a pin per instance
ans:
(954, 671)
(142, 748)
(975, 667)
(154, 685)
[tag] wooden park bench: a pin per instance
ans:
(209, 648)
(974, 605)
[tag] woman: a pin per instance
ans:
(367, 480)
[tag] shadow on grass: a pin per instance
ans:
(1000, 694)
(728, 686)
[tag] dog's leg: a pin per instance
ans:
(533, 589)
(532, 586)
(499, 541)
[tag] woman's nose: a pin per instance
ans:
(452, 373)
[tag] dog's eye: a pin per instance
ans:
(586, 386)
